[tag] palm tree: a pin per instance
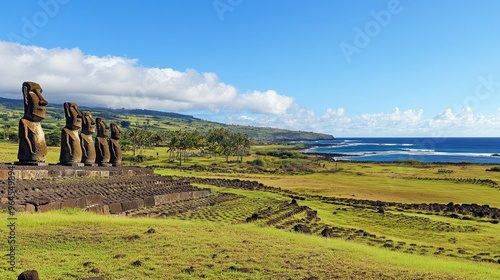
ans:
(242, 144)
(134, 135)
(6, 131)
(172, 146)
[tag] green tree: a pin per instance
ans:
(172, 146)
(134, 135)
(6, 131)
(241, 145)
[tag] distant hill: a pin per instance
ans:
(12, 109)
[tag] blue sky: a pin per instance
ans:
(346, 68)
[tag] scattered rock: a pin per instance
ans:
(88, 264)
(151, 230)
(240, 269)
(137, 263)
(327, 232)
(95, 270)
(132, 237)
(302, 229)
(188, 270)
(119, 256)
(28, 275)
(253, 218)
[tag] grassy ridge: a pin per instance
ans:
(84, 244)
(215, 243)
(12, 110)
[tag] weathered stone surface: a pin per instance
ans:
(171, 197)
(18, 174)
(49, 207)
(115, 208)
(101, 143)
(71, 149)
(93, 199)
(184, 195)
(38, 201)
(69, 203)
(55, 173)
(30, 208)
(81, 202)
(20, 208)
(114, 145)
(132, 204)
(114, 194)
(42, 174)
(69, 172)
(28, 275)
(96, 209)
(159, 199)
(28, 174)
(94, 173)
(32, 145)
(105, 209)
(88, 146)
(4, 174)
(149, 201)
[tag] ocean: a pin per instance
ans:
(439, 149)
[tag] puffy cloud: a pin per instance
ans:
(116, 82)
(269, 102)
(464, 120)
(394, 123)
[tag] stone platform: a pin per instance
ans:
(26, 172)
(107, 190)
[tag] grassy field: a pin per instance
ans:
(71, 245)
(215, 242)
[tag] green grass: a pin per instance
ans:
(218, 245)
(68, 245)
(12, 112)
(386, 182)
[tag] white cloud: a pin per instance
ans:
(70, 75)
(269, 102)
(394, 123)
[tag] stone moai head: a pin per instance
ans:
(115, 131)
(34, 103)
(102, 128)
(73, 116)
(88, 123)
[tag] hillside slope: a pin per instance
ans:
(12, 109)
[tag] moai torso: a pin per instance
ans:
(87, 142)
(88, 148)
(101, 142)
(102, 150)
(114, 145)
(71, 149)
(32, 145)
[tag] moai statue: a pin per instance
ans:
(71, 149)
(32, 145)
(88, 147)
(101, 143)
(114, 145)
